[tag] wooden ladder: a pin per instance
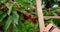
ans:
(41, 17)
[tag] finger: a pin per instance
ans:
(49, 26)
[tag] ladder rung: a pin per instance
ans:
(54, 17)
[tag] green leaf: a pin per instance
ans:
(36, 25)
(15, 17)
(7, 24)
(2, 16)
(9, 6)
(10, 9)
(56, 23)
(1, 12)
(22, 10)
(25, 3)
(15, 29)
(54, 13)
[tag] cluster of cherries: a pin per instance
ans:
(3, 8)
(28, 16)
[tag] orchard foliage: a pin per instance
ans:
(51, 8)
(18, 16)
(21, 15)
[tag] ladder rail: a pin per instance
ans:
(40, 15)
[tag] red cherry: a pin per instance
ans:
(5, 9)
(30, 16)
(16, 8)
(58, 13)
(23, 20)
(34, 20)
(26, 16)
(1, 7)
(1, 27)
(7, 1)
(48, 5)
